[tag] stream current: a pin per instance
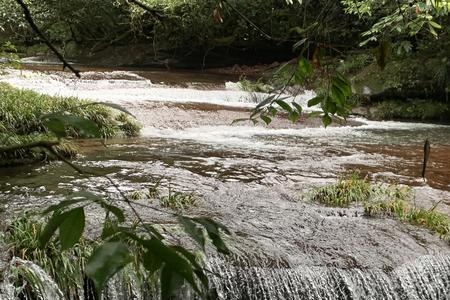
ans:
(253, 179)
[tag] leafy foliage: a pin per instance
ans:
(332, 96)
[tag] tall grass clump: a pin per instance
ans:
(66, 268)
(178, 200)
(342, 193)
(382, 200)
(350, 190)
(21, 113)
(63, 271)
(428, 218)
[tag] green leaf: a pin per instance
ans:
(435, 25)
(284, 105)
(171, 282)
(61, 205)
(115, 106)
(303, 71)
(110, 228)
(151, 262)
(299, 43)
(297, 107)
(52, 225)
(314, 114)
(173, 260)
(71, 229)
(266, 119)
(55, 126)
(294, 116)
(212, 228)
(86, 127)
(118, 212)
(326, 120)
(266, 101)
(191, 228)
(105, 262)
(198, 270)
(239, 120)
(314, 101)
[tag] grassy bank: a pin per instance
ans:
(21, 122)
(382, 201)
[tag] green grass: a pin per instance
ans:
(21, 122)
(178, 200)
(65, 267)
(254, 86)
(21, 111)
(436, 222)
(382, 200)
(152, 192)
(355, 190)
(66, 149)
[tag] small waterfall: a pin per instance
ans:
(426, 278)
(37, 284)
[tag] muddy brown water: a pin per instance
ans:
(251, 178)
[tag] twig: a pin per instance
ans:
(242, 16)
(155, 13)
(33, 25)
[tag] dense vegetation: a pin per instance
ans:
(25, 118)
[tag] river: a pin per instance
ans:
(254, 179)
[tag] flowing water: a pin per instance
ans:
(253, 179)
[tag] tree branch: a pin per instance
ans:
(42, 144)
(33, 25)
(155, 13)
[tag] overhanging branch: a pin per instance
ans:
(33, 25)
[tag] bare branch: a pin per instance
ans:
(33, 25)
(155, 13)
